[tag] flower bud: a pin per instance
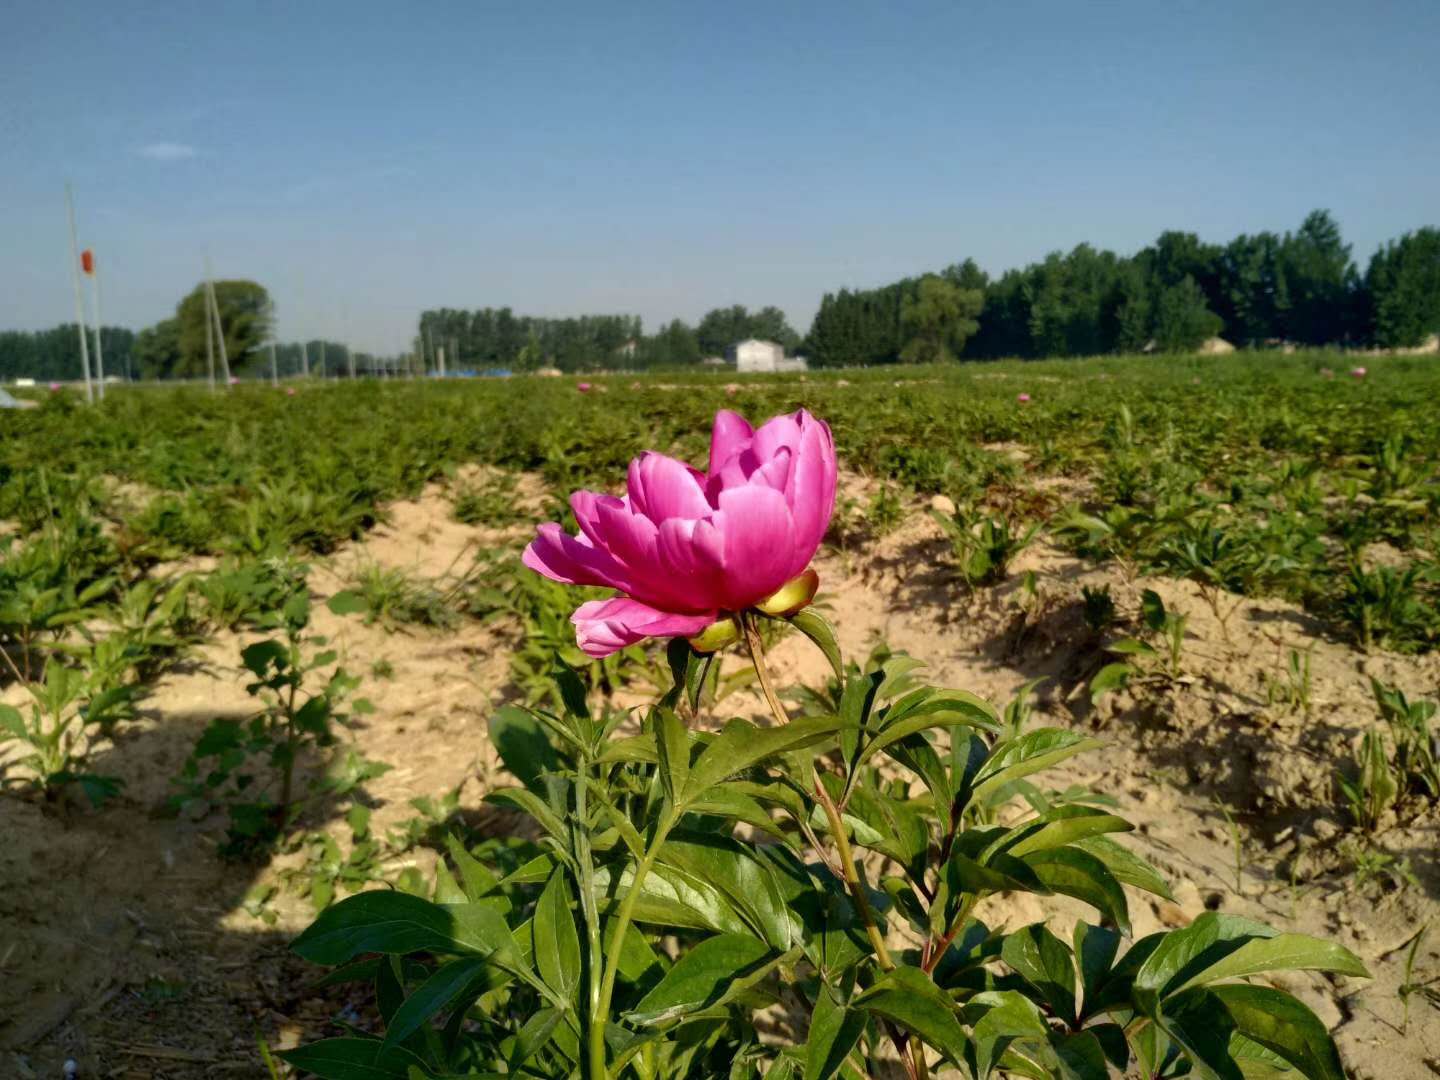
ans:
(792, 596)
(716, 636)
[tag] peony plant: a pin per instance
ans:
(822, 895)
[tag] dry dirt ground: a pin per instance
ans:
(126, 946)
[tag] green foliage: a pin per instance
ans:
(68, 711)
(551, 962)
(984, 544)
(247, 767)
(937, 319)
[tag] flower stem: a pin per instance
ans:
(593, 962)
(832, 813)
(757, 657)
(618, 927)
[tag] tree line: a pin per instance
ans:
(54, 355)
(1299, 287)
(1259, 289)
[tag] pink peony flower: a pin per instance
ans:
(1358, 372)
(1023, 399)
(54, 386)
(685, 548)
(289, 391)
(583, 387)
(234, 380)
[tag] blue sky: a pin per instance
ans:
(367, 160)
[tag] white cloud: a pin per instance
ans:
(166, 151)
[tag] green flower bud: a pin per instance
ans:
(792, 596)
(722, 632)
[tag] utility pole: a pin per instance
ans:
(305, 359)
(209, 341)
(219, 329)
(274, 367)
(92, 268)
(79, 294)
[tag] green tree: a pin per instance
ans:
(1320, 278)
(157, 350)
(938, 319)
(1183, 322)
(244, 308)
(1402, 290)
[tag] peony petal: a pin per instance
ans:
(585, 505)
(759, 543)
(662, 488)
(694, 552)
(811, 494)
(730, 435)
(606, 626)
(559, 556)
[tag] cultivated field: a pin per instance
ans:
(1227, 569)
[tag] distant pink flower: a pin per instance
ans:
(234, 380)
(1358, 372)
(1023, 399)
(54, 386)
(289, 391)
(583, 387)
(685, 549)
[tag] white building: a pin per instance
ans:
(755, 355)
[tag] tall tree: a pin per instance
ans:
(244, 308)
(1402, 290)
(938, 319)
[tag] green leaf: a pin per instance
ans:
(1284, 1026)
(528, 802)
(1094, 948)
(347, 602)
(908, 997)
(532, 1036)
(1184, 953)
(1079, 1056)
(397, 923)
(1063, 825)
(477, 879)
(557, 942)
(1110, 678)
(1042, 960)
(1079, 874)
(672, 751)
(459, 978)
(943, 708)
(522, 745)
(353, 1059)
(997, 1017)
(1125, 865)
(12, 721)
(724, 878)
(834, 1031)
(742, 745)
(1032, 752)
(1283, 952)
(702, 976)
(818, 629)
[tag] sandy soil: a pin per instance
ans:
(125, 943)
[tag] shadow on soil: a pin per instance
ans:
(126, 945)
